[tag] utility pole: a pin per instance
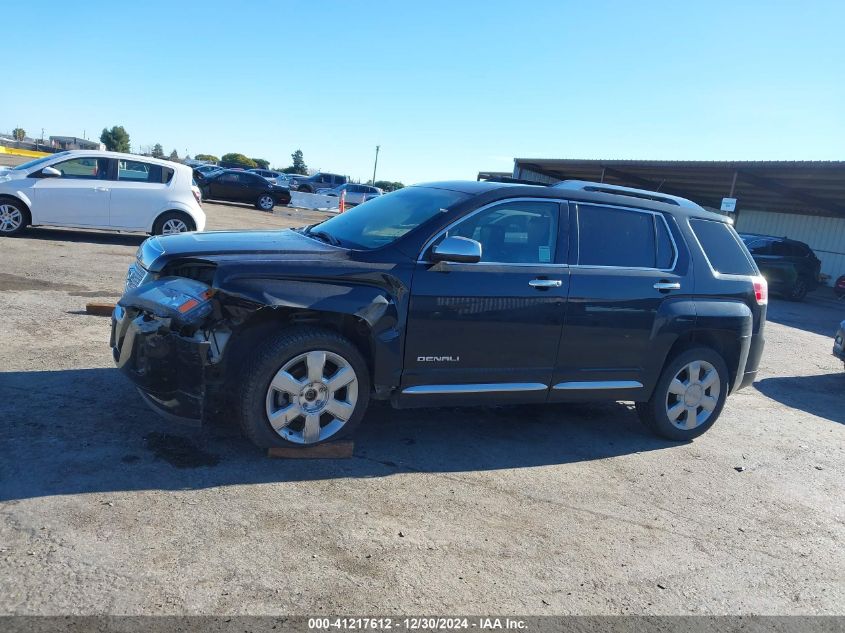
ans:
(375, 166)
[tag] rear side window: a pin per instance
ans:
(723, 247)
(137, 171)
(615, 237)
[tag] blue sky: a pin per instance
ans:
(446, 88)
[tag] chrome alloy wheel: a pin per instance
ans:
(693, 395)
(266, 202)
(174, 225)
(11, 218)
(312, 397)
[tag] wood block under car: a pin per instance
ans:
(99, 309)
(342, 449)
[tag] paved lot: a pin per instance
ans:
(104, 508)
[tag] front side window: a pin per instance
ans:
(229, 178)
(138, 171)
(522, 232)
(84, 168)
(725, 251)
(382, 220)
(620, 238)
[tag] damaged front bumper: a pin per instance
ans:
(167, 367)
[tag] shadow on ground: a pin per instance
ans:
(81, 431)
(819, 315)
(92, 237)
(819, 395)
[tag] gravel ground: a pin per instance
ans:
(105, 508)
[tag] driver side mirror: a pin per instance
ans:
(51, 172)
(457, 249)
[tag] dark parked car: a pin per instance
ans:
(452, 293)
(317, 181)
(243, 186)
(839, 342)
(790, 267)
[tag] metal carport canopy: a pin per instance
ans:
(808, 187)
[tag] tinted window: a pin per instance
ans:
(384, 219)
(615, 237)
(760, 247)
(722, 247)
(252, 179)
(84, 168)
(513, 232)
(665, 250)
(229, 178)
(138, 171)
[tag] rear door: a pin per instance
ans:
(80, 197)
(489, 331)
(623, 270)
(138, 194)
(224, 187)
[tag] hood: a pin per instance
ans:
(155, 252)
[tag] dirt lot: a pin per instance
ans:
(105, 508)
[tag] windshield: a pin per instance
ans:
(37, 162)
(382, 220)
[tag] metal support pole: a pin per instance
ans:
(375, 165)
(733, 185)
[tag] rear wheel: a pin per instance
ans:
(265, 202)
(799, 289)
(173, 222)
(688, 397)
(306, 386)
(14, 216)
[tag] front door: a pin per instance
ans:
(79, 197)
(488, 331)
(625, 268)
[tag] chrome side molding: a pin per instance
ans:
(589, 385)
(495, 387)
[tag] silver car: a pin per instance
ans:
(355, 194)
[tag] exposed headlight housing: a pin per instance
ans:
(184, 300)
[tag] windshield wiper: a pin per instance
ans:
(324, 237)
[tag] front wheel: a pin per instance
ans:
(305, 387)
(688, 397)
(265, 202)
(14, 216)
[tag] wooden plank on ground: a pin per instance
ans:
(342, 449)
(99, 309)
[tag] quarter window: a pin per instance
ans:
(137, 171)
(514, 232)
(617, 237)
(723, 248)
(84, 168)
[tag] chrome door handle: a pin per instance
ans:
(101, 189)
(667, 285)
(545, 283)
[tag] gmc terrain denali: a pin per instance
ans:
(453, 293)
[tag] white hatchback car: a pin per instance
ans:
(100, 190)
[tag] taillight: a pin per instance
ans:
(761, 290)
(197, 196)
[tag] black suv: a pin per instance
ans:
(452, 293)
(321, 180)
(791, 267)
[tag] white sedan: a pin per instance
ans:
(100, 190)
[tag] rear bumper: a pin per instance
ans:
(167, 368)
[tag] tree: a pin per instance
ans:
(209, 158)
(387, 186)
(299, 166)
(174, 156)
(238, 159)
(19, 133)
(158, 151)
(262, 164)
(115, 139)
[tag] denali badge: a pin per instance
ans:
(438, 359)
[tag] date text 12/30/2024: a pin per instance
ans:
(417, 624)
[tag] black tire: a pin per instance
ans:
(260, 369)
(799, 289)
(164, 218)
(654, 414)
(265, 202)
(16, 209)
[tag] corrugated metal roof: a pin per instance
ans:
(811, 187)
